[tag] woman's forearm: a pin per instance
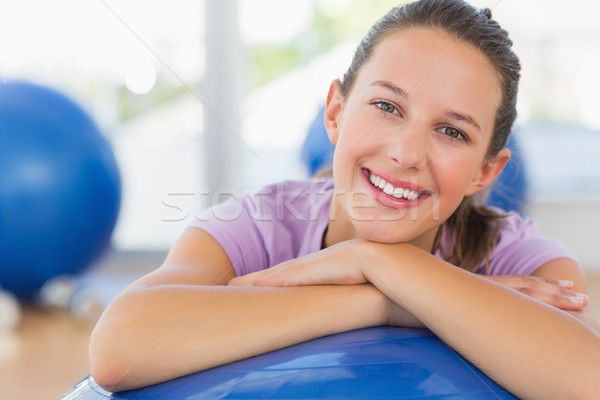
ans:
(533, 349)
(153, 334)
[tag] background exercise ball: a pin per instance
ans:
(60, 187)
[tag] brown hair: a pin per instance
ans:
(473, 228)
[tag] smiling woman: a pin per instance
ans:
(298, 260)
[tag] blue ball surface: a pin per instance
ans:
(374, 363)
(60, 187)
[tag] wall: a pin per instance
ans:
(574, 224)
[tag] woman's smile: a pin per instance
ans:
(392, 192)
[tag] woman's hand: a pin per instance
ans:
(344, 264)
(340, 264)
(555, 292)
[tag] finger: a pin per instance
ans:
(293, 274)
(564, 283)
(273, 279)
(237, 281)
(574, 303)
(312, 272)
(245, 280)
(273, 276)
(539, 288)
(565, 300)
(533, 282)
(551, 286)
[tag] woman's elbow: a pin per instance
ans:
(109, 364)
(106, 376)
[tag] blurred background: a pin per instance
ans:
(201, 99)
(158, 76)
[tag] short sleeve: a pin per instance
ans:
(521, 249)
(276, 223)
(232, 224)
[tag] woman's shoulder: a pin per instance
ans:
(262, 227)
(521, 247)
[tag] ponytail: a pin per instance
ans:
(470, 235)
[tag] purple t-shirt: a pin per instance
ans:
(265, 227)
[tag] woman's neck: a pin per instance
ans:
(339, 228)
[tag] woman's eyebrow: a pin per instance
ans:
(390, 86)
(463, 117)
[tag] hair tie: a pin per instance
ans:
(487, 12)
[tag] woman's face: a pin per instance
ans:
(411, 137)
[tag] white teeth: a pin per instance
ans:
(390, 190)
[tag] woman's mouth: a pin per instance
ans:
(398, 192)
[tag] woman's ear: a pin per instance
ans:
(489, 171)
(333, 111)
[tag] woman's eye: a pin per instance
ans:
(452, 132)
(385, 107)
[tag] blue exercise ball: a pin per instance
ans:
(60, 187)
(374, 363)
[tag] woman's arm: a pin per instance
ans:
(179, 319)
(531, 348)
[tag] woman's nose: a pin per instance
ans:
(408, 147)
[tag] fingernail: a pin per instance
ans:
(576, 299)
(563, 282)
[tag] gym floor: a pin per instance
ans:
(47, 355)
